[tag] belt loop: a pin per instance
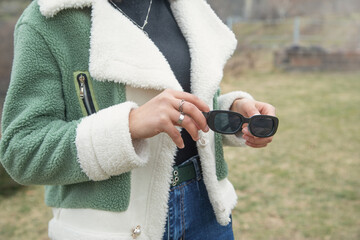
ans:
(195, 160)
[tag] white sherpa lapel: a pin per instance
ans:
(211, 44)
(121, 52)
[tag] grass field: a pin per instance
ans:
(304, 185)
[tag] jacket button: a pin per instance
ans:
(136, 232)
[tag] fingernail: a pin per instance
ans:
(206, 129)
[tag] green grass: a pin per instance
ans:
(304, 185)
(23, 214)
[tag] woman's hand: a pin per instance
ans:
(249, 108)
(161, 114)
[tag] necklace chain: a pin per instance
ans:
(146, 19)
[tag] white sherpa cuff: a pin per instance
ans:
(225, 101)
(104, 143)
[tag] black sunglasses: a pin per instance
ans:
(228, 122)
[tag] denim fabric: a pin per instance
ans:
(191, 216)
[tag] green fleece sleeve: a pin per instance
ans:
(37, 145)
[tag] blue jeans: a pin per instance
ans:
(191, 216)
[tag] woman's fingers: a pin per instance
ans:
(194, 113)
(265, 108)
(261, 142)
(255, 145)
(175, 135)
(255, 142)
(192, 108)
(249, 107)
(188, 97)
(161, 114)
(189, 124)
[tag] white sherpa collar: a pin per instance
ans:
(121, 52)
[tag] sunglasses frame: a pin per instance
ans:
(210, 119)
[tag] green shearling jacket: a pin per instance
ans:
(79, 68)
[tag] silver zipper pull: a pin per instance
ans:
(82, 86)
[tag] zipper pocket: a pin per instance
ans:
(85, 94)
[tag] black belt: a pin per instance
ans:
(190, 169)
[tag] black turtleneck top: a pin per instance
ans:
(163, 30)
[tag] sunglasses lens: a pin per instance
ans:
(227, 122)
(262, 127)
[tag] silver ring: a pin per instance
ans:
(181, 105)
(181, 119)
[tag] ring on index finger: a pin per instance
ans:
(181, 105)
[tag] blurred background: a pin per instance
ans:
(302, 56)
